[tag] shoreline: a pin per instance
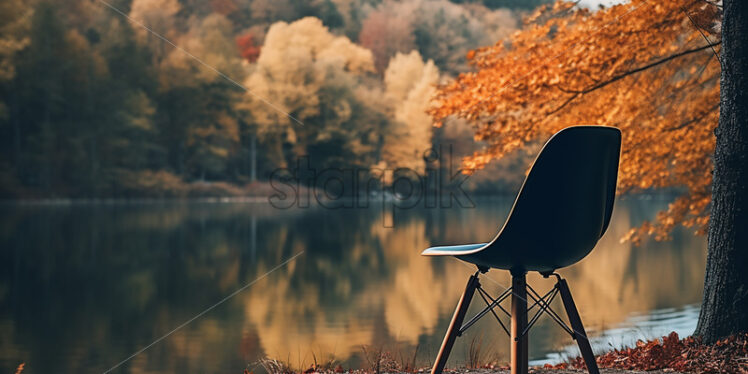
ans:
(249, 198)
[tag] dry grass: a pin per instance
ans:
(475, 352)
(380, 361)
(272, 366)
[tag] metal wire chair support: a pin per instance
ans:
(545, 306)
(489, 308)
(542, 302)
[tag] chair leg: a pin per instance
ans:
(519, 354)
(455, 325)
(576, 324)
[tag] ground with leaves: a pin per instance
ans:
(670, 354)
(564, 371)
(667, 355)
(729, 355)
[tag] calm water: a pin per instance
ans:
(84, 286)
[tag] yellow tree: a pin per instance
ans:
(15, 16)
(648, 68)
(304, 94)
(409, 83)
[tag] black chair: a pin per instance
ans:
(561, 211)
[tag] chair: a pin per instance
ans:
(560, 213)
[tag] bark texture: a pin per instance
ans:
(725, 307)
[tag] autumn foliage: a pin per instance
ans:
(648, 68)
(247, 47)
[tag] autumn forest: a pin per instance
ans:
(158, 98)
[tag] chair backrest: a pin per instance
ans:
(566, 201)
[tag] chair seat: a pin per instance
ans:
(454, 250)
(476, 254)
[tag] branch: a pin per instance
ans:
(695, 119)
(645, 67)
(575, 94)
(570, 99)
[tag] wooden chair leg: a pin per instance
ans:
(519, 354)
(576, 324)
(455, 325)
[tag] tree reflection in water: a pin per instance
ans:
(83, 286)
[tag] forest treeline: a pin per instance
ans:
(94, 105)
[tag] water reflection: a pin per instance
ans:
(84, 286)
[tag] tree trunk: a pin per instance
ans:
(724, 310)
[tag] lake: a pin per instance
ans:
(83, 286)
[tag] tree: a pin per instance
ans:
(642, 67)
(15, 19)
(200, 127)
(651, 70)
(158, 16)
(723, 311)
(325, 10)
(314, 76)
(248, 49)
(387, 31)
(40, 105)
(440, 30)
(445, 32)
(213, 138)
(127, 109)
(409, 85)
